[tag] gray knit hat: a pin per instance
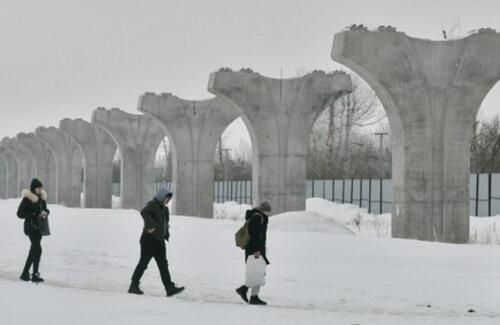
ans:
(265, 206)
(162, 194)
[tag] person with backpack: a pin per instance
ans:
(252, 237)
(33, 209)
(155, 232)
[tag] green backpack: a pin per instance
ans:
(242, 236)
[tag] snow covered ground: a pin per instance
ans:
(328, 266)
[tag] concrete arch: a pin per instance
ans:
(13, 190)
(137, 138)
(4, 175)
(98, 151)
(65, 151)
(431, 91)
(46, 163)
(279, 114)
(193, 129)
(25, 159)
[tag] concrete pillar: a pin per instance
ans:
(45, 161)
(13, 190)
(280, 115)
(25, 159)
(69, 164)
(98, 151)
(3, 177)
(137, 137)
(431, 91)
(193, 128)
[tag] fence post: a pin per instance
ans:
(324, 190)
(333, 190)
(352, 189)
(312, 188)
(489, 195)
(343, 190)
(360, 193)
(380, 195)
(370, 195)
(477, 194)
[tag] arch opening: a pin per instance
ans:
(349, 156)
(234, 169)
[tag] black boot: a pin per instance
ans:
(35, 277)
(255, 300)
(172, 290)
(134, 289)
(242, 292)
(25, 277)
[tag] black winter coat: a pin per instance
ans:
(30, 208)
(257, 226)
(156, 216)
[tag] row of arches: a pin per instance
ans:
(278, 118)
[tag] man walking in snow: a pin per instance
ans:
(257, 221)
(156, 230)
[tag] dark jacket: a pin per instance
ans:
(156, 216)
(257, 226)
(30, 208)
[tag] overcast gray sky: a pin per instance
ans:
(63, 58)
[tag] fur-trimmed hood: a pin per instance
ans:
(32, 196)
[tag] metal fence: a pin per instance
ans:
(373, 194)
(376, 195)
(237, 191)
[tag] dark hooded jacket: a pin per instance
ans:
(257, 226)
(156, 216)
(31, 207)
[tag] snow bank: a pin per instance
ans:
(290, 221)
(230, 210)
(356, 219)
(483, 230)
(306, 221)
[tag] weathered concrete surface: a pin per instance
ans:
(13, 190)
(193, 129)
(25, 159)
(280, 115)
(3, 177)
(431, 91)
(98, 151)
(137, 137)
(68, 162)
(45, 161)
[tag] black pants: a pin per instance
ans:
(35, 253)
(153, 248)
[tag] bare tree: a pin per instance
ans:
(340, 128)
(485, 146)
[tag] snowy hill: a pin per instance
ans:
(319, 274)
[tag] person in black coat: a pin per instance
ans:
(33, 206)
(156, 230)
(258, 220)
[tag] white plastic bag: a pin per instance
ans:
(255, 272)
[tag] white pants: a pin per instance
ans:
(254, 291)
